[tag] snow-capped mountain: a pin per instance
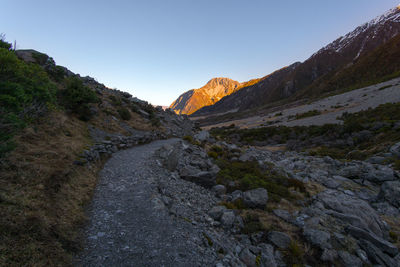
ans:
(382, 28)
(314, 76)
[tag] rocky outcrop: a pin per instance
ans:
(346, 212)
(190, 162)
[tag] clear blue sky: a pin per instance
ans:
(156, 50)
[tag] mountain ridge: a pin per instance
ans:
(336, 56)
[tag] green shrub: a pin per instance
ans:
(124, 113)
(77, 97)
(134, 108)
(22, 86)
(384, 87)
(393, 236)
(307, 114)
(116, 101)
(249, 175)
(4, 44)
(188, 138)
(397, 164)
(212, 154)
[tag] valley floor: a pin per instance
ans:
(328, 109)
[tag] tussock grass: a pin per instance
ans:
(42, 194)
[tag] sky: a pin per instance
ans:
(158, 49)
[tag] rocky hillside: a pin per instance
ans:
(209, 94)
(56, 130)
(314, 76)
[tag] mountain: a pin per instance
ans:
(209, 94)
(300, 78)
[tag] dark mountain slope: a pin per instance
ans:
(338, 55)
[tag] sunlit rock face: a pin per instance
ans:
(212, 92)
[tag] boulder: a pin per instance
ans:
(279, 239)
(219, 190)
(352, 210)
(377, 241)
(256, 198)
(237, 195)
(380, 174)
(352, 172)
(283, 214)
(390, 191)
(318, 238)
(216, 212)
(248, 258)
(203, 178)
(349, 260)
(375, 255)
(227, 219)
(267, 255)
(329, 255)
(395, 150)
(202, 136)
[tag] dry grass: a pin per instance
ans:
(42, 194)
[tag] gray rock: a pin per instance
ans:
(283, 214)
(351, 172)
(237, 195)
(349, 260)
(377, 241)
(216, 212)
(172, 159)
(279, 239)
(279, 259)
(256, 198)
(227, 219)
(248, 258)
(329, 255)
(349, 208)
(219, 190)
(375, 255)
(331, 183)
(267, 255)
(395, 149)
(376, 160)
(203, 178)
(202, 136)
(318, 238)
(362, 255)
(390, 191)
(385, 208)
(380, 174)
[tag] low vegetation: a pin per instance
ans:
(307, 114)
(238, 175)
(361, 135)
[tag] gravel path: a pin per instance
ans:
(129, 225)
